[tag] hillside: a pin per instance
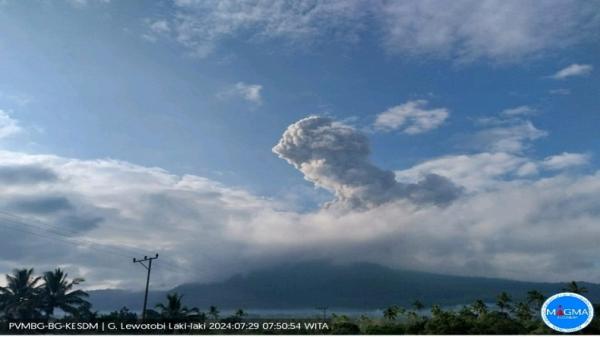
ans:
(312, 284)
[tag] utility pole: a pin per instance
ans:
(148, 268)
(324, 309)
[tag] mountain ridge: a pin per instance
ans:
(318, 283)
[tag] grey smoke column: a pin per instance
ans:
(335, 156)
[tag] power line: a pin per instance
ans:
(73, 238)
(71, 235)
(59, 237)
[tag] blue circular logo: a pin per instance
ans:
(567, 312)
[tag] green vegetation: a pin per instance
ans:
(27, 297)
(478, 318)
(174, 310)
(30, 298)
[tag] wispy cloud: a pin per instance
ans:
(411, 117)
(509, 131)
(156, 29)
(573, 70)
(249, 92)
(464, 30)
(470, 29)
(565, 160)
(8, 125)
(201, 25)
(560, 91)
(513, 138)
(19, 99)
(523, 110)
(160, 26)
(83, 3)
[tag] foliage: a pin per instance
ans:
(213, 312)
(30, 297)
(573, 287)
(21, 298)
(477, 318)
(174, 310)
(123, 315)
(345, 328)
(392, 312)
(57, 292)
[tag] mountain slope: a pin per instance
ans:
(361, 286)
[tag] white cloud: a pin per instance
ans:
(560, 91)
(484, 171)
(565, 160)
(510, 131)
(8, 125)
(465, 30)
(248, 92)
(523, 110)
(156, 30)
(116, 205)
(505, 226)
(411, 117)
(473, 29)
(573, 70)
(160, 26)
(487, 170)
(513, 138)
(201, 25)
(510, 231)
(83, 3)
(527, 169)
(474, 172)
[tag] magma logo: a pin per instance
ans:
(567, 312)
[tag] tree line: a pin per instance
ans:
(27, 297)
(505, 316)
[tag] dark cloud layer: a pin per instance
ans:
(40, 205)
(25, 174)
(79, 222)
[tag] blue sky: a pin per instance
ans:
(96, 88)
(207, 89)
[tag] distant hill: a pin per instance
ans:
(354, 286)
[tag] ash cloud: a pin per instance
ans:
(335, 156)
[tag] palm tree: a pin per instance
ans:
(213, 312)
(174, 308)
(20, 297)
(573, 287)
(57, 292)
(536, 298)
(503, 301)
(418, 305)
